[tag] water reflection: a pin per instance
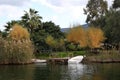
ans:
(75, 71)
(101, 72)
(16, 72)
(60, 72)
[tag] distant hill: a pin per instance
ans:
(85, 25)
(67, 29)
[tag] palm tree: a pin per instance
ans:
(31, 20)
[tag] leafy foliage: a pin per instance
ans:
(95, 37)
(50, 41)
(16, 50)
(107, 20)
(95, 10)
(77, 35)
(31, 20)
(19, 33)
(55, 44)
(10, 24)
(40, 35)
(38, 30)
(91, 37)
(112, 26)
(53, 30)
(116, 4)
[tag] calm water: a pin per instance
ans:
(60, 72)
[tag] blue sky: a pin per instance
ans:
(62, 12)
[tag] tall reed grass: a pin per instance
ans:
(15, 52)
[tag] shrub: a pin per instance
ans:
(17, 49)
(12, 52)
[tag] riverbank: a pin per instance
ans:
(102, 58)
(59, 54)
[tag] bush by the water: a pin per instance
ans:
(12, 52)
(15, 49)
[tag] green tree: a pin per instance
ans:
(112, 26)
(38, 30)
(50, 41)
(10, 24)
(38, 38)
(31, 20)
(95, 10)
(53, 30)
(116, 4)
(55, 44)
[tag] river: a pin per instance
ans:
(109, 71)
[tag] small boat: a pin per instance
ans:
(39, 61)
(75, 60)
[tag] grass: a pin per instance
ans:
(59, 54)
(110, 56)
(15, 52)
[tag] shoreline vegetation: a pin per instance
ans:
(108, 56)
(27, 38)
(16, 48)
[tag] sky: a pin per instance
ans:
(62, 12)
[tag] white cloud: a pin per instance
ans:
(13, 9)
(54, 18)
(10, 12)
(73, 8)
(14, 2)
(47, 4)
(62, 5)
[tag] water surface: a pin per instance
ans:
(61, 72)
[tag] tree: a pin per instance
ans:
(38, 30)
(95, 37)
(48, 29)
(31, 20)
(10, 24)
(116, 4)
(77, 35)
(112, 26)
(91, 37)
(19, 33)
(95, 10)
(53, 30)
(17, 47)
(50, 41)
(55, 44)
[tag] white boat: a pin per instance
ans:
(75, 60)
(39, 61)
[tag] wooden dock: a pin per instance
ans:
(58, 60)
